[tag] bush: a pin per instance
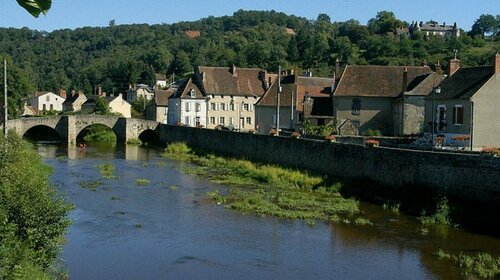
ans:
(33, 217)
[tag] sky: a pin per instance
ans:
(79, 13)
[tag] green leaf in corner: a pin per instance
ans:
(35, 7)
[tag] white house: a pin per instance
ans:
(46, 101)
(188, 106)
(143, 91)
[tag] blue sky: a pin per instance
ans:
(73, 14)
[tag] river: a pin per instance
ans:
(168, 229)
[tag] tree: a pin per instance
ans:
(485, 24)
(36, 7)
(384, 22)
(101, 106)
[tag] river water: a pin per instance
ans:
(168, 229)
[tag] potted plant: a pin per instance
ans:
(372, 143)
(330, 138)
(295, 135)
(272, 132)
(491, 151)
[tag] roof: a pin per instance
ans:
(192, 33)
(289, 31)
(185, 89)
(424, 84)
(71, 98)
(464, 83)
(161, 96)
(299, 87)
(376, 81)
(232, 81)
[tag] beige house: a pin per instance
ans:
(364, 96)
(74, 102)
(301, 98)
(140, 91)
(116, 104)
(464, 111)
(158, 109)
(232, 94)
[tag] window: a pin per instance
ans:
(192, 93)
(165, 112)
(245, 106)
(458, 115)
(47, 98)
(441, 117)
(231, 106)
(44, 107)
(249, 120)
(221, 120)
(187, 121)
(356, 106)
(51, 106)
(198, 107)
(212, 120)
(188, 106)
(212, 106)
(223, 106)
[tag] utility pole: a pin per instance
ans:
(5, 98)
(291, 110)
(278, 102)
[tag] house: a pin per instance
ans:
(409, 106)
(227, 96)
(74, 102)
(464, 110)
(232, 94)
(158, 109)
(435, 29)
(161, 81)
(44, 101)
(364, 96)
(301, 99)
(116, 104)
(140, 91)
(188, 105)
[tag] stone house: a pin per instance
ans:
(158, 109)
(139, 91)
(464, 111)
(301, 99)
(188, 105)
(74, 102)
(44, 101)
(365, 95)
(409, 106)
(435, 29)
(116, 104)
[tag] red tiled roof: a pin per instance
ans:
(376, 81)
(299, 86)
(231, 81)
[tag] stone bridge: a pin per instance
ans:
(68, 127)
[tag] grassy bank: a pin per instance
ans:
(479, 265)
(268, 189)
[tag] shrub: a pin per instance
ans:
(373, 132)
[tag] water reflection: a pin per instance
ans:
(125, 231)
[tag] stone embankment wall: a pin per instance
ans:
(471, 177)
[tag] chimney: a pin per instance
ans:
(405, 78)
(496, 64)
(233, 70)
(62, 93)
(337, 68)
(438, 68)
(423, 63)
(454, 65)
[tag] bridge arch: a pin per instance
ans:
(149, 136)
(42, 133)
(100, 131)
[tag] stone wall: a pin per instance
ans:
(471, 177)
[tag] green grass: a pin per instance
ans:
(441, 215)
(269, 189)
(142, 182)
(173, 188)
(481, 265)
(90, 184)
(107, 170)
(134, 141)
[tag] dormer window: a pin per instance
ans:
(192, 93)
(356, 106)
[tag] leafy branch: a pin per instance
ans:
(35, 7)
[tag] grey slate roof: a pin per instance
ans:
(464, 83)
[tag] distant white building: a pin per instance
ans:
(143, 91)
(46, 101)
(161, 81)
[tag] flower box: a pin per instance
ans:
(372, 143)
(295, 135)
(491, 151)
(330, 138)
